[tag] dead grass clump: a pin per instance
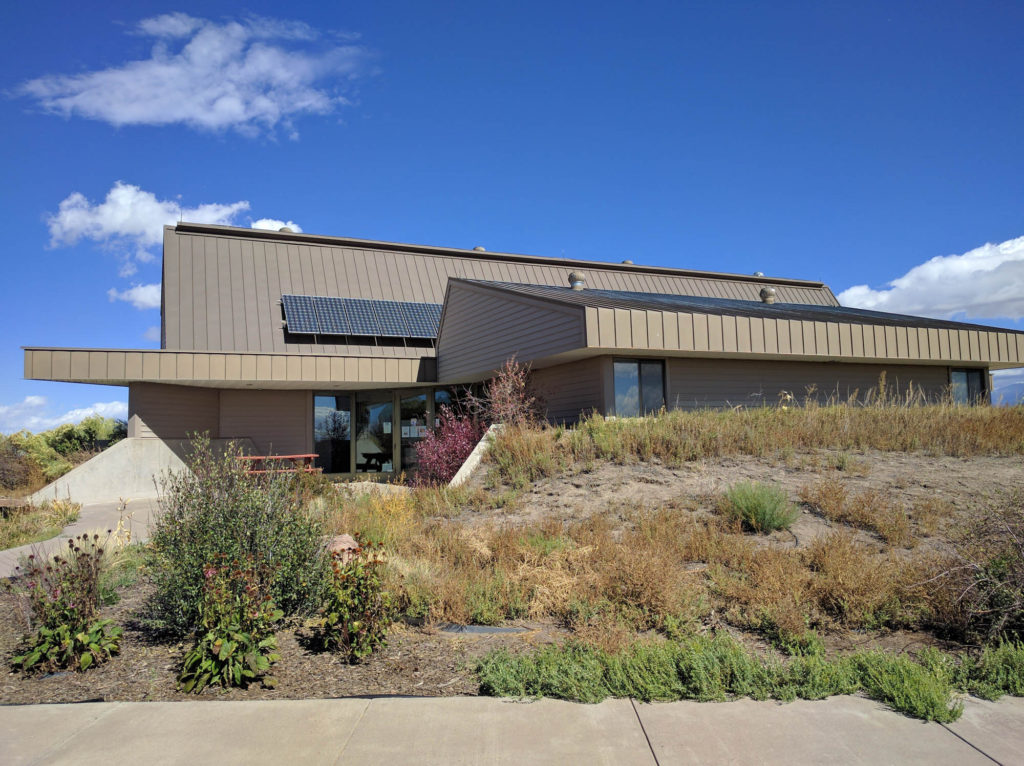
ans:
(770, 592)
(871, 510)
(929, 513)
(854, 586)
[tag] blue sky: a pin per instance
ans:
(875, 146)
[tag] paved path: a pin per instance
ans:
(97, 517)
(470, 730)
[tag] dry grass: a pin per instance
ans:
(33, 524)
(870, 509)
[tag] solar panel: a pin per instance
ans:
(362, 319)
(299, 314)
(391, 317)
(320, 315)
(332, 316)
(423, 319)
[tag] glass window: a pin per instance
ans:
(451, 398)
(374, 432)
(332, 432)
(627, 389)
(652, 386)
(639, 387)
(967, 386)
(414, 427)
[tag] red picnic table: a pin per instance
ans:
(280, 463)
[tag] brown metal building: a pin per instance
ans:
(347, 347)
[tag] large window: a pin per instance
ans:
(967, 386)
(414, 428)
(639, 387)
(332, 432)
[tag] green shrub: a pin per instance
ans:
(998, 670)
(707, 668)
(761, 507)
(358, 612)
(235, 645)
(61, 602)
(919, 690)
(215, 510)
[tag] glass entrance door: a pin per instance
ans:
(375, 438)
(332, 433)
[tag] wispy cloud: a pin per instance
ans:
(33, 413)
(252, 76)
(152, 334)
(984, 283)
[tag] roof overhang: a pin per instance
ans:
(597, 330)
(120, 367)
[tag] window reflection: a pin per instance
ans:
(639, 387)
(332, 433)
(374, 432)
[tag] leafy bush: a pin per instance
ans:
(442, 452)
(509, 398)
(16, 469)
(761, 507)
(215, 510)
(236, 641)
(358, 612)
(60, 598)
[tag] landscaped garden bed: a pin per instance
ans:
(770, 553)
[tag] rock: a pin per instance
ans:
(343, 546)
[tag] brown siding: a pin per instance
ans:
(483, 328)
(278, 422)
(570, 390)
(695, 383)
(172, 412)
(222, 292)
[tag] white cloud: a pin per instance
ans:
(210, 76)
(273, 224)
(984, 283)
(152, 333)
(31, 414)
(132, 214)
(140, 296)
(130, 221)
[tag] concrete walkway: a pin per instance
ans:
(96, 517)
(843, 730)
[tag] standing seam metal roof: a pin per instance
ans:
(621, 299)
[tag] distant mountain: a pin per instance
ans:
(1008, 394)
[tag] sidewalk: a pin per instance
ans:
(470, 730)
(97, 517)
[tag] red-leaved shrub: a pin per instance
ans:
(441, 454)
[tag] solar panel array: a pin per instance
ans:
(317, 315)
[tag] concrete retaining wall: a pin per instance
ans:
(130, 470)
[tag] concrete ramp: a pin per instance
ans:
(130, 469)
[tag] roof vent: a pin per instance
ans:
(758, 273)
(576, 280)
(628, 262)
(286, 230)
(768, 295)
(480, 249)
